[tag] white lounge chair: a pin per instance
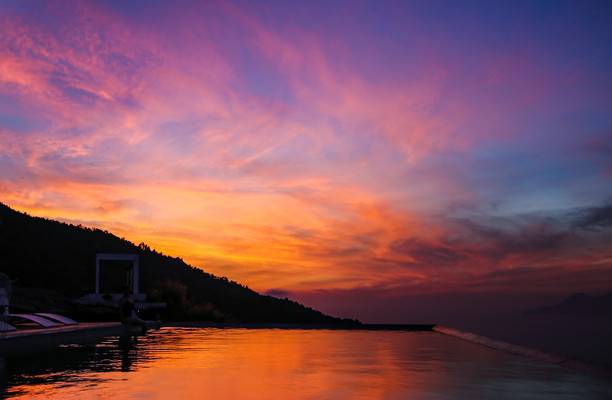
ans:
(58, 318)
(45, 323)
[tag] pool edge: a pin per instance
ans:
(561, 360)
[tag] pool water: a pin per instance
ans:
(208, 363)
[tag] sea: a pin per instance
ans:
(273, 363)
(583, 337)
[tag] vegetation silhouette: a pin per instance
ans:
(52, 255)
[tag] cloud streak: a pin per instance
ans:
(332, 149)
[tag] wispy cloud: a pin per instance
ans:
(332, 148)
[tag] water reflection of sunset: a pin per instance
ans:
(278, 364)
(299, 364)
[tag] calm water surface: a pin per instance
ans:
(207, 363)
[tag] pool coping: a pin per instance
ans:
(36, 339)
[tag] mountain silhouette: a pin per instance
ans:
(49, 255)
(578, 304)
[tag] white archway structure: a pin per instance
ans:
(118, 257)
(111, 299)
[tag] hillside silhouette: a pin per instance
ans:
(54, 256)
(578, 304)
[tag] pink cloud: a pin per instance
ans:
(273, 155)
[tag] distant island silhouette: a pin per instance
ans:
(54, 263)
(578, 304)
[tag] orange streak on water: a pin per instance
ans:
(179, 363)
(247, 364)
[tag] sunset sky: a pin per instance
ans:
(351, 155)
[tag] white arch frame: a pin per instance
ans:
(117, 257)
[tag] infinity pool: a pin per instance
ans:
(208, 363)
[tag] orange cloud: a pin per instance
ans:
(271, 155)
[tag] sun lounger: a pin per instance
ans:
(58, 318)
(45, 323)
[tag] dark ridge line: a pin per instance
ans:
(560, 360)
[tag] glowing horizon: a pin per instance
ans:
(306, 148)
